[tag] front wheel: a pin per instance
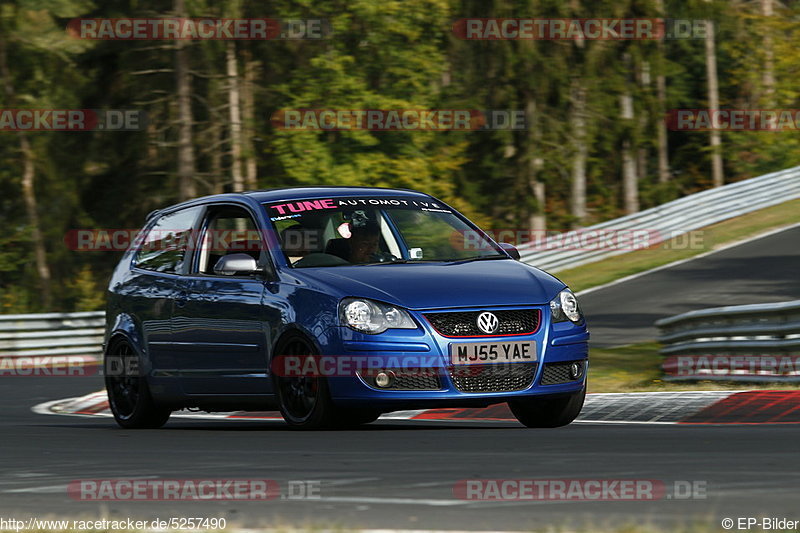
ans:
(128, 394)
(548, 412)
(305, 401)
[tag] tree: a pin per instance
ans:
(34, 35)
(713, 103)
(183, 84)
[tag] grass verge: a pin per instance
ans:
(705, 239)
(637, 368)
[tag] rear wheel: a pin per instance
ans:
(548, 412)
(128, 394)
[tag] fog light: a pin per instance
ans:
(575, 370)
(384, 379)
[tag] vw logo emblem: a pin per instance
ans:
(488, 323)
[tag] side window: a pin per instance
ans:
(299, 240)
(229, 230)
(164, 248)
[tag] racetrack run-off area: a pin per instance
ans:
(693, 407)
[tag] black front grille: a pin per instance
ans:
(493, 378)
(407, 379)
(464, 323)
(555, 373)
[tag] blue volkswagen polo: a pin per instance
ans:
(335, 305)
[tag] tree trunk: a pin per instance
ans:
(186, 156)
(32, 210)
(768, 75)
(641, 152)
(537, 220)
(215, 131)
(661, 96)
(249, 119)
(29, 191)
(630, 180)
(713, 103)
(578, 125)
(661, 130)
(630, 186)
(235, 117)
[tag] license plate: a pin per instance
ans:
(477, 353)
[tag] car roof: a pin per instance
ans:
(294, 193)
(305, 193)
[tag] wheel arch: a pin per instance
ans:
(294, 330)
(124, 329)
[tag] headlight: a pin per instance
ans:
(368, 316)
(565, 307)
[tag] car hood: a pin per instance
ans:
(434, 285)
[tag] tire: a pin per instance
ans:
(305, 402)
(128, 394)
(548, 412)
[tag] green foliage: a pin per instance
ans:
(392, 54)
(86, 293)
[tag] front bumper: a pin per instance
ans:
(425, 348)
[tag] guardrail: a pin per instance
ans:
(758, 342)
(52, 334)
(672, 219)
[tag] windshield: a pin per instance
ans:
(374, 231)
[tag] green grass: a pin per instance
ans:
(706, 239)
(637, 368)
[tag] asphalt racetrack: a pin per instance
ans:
(401, 474)
(391, 474)
(763, 270)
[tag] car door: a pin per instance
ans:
(221, 330)
(151, 292)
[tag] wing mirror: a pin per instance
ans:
(233, 264)
(510, 249)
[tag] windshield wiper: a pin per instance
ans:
(454, 260)
(480, 258)
(390, 262)
(402, 261)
